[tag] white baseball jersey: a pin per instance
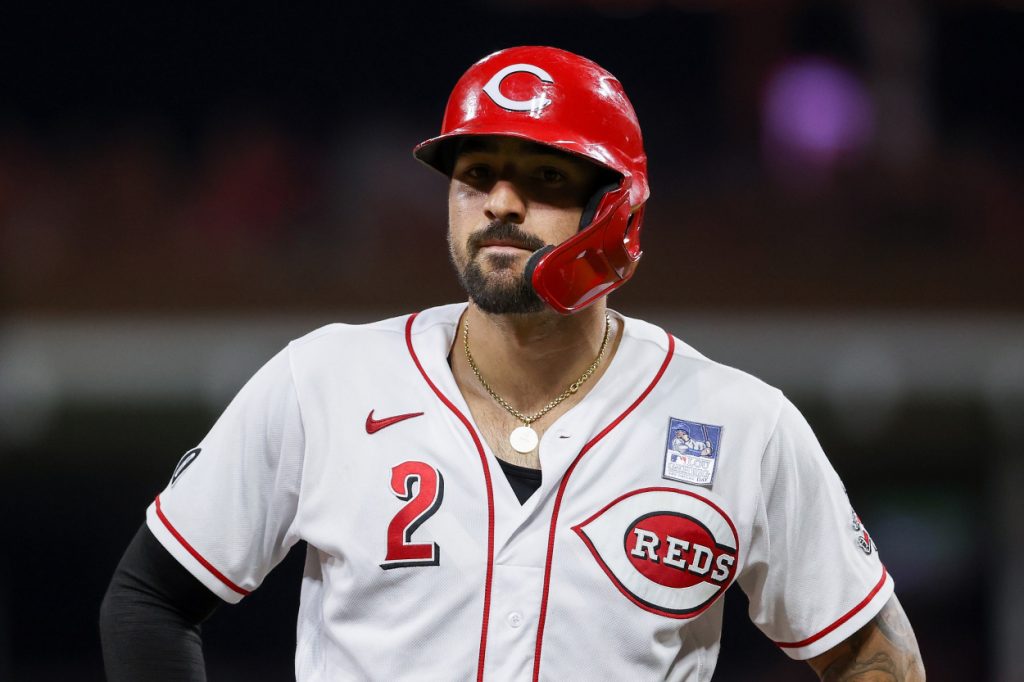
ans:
(422, 564)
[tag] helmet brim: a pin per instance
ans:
(433, 152)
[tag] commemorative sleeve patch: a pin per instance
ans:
(691, 452)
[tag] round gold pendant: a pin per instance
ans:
(523, 440)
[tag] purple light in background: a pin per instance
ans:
(816, 113)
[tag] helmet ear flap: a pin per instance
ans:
(590, 209)
(534, 261)
(631, 238)
(591, 263)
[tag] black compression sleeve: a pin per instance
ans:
(150, 616)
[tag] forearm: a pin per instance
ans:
(884, 650)
(144, 642)
(149, 619)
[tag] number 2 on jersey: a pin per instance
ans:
(420, 507)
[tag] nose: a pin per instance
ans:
(505, 203)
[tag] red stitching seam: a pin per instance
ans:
(561, 491)
(850, 614)
(198, 557)
(490, 496)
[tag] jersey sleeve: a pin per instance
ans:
(814, 576)
(228, 512)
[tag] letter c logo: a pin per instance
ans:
(538, 102)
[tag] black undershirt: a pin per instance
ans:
(150, 616)
(524, 480)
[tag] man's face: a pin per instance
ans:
(507, 198)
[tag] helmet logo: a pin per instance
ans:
(536, 103)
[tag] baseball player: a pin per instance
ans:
(484, 488)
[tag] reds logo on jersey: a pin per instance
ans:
(863, 539)
(184, 463)
(671, 552)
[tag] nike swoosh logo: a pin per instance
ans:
(375, 425)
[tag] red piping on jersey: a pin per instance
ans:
(198, 557)
(561, 491)
(490, 495)
(849, 614)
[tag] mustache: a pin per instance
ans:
(499, 230)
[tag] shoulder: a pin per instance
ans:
(687, 369)
(343, 331)
(373, 342)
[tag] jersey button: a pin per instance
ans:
(515, 619)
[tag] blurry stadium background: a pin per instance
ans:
(837, 207)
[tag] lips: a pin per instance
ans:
(505, 244)
(502, 248)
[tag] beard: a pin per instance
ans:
(503, 291)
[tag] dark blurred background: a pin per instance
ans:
(836, 207)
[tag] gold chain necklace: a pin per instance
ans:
(523, 439)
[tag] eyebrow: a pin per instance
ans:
(487, 144)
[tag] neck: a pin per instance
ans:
(530, 359)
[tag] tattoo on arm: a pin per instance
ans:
(879, 667)
(892, 622)
(884, 650)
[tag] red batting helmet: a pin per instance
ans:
(565, 101)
